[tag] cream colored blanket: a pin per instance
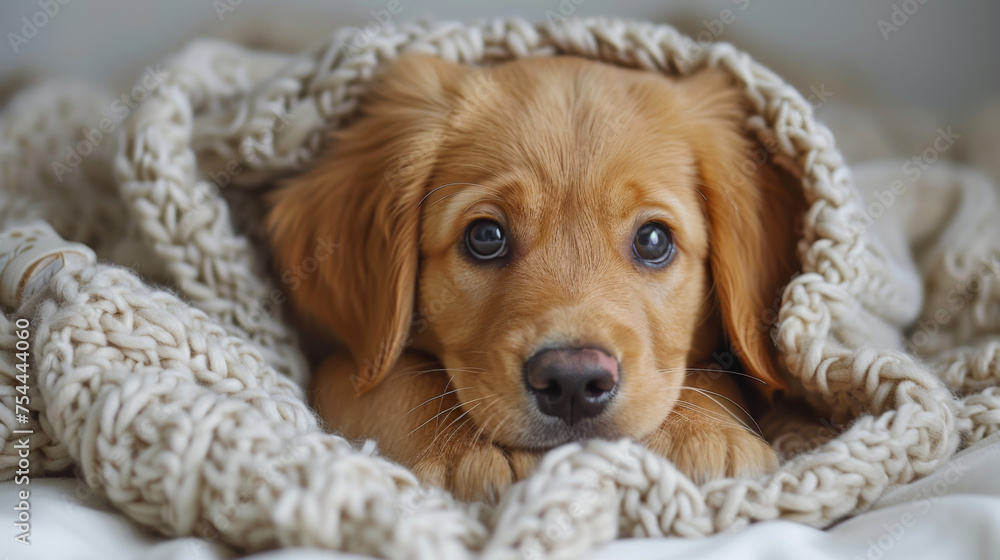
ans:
(166, 375)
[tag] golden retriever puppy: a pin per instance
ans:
(544, 251)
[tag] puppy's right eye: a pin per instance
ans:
(485, 240)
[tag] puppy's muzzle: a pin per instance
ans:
(572, 384)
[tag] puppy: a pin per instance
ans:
(544, 251)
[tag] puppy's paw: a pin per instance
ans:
(747, 455)
(480, 471)
(705, 451)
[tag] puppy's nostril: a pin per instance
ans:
(541, 386)
(553, 391)
(572, 383)
(601, 387)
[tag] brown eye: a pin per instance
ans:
(653, 245)
(486, 240)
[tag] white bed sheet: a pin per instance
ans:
(952, 514)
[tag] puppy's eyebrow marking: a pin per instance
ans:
(495, 197)
(479, 201)
(435, 189)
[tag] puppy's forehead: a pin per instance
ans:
(564, 133)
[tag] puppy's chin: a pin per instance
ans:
(545, 432)
(538, 431)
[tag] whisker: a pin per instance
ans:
(428, 421)
(414, 374)
(455, 431)
(488, 420)
(441, 402)
(442, 395)
(747, 375)
(712, 417)
(672, 417)
(429, 448)
(440, 413)
(708, 394)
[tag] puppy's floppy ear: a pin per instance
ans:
(753, 207)
(357, 215)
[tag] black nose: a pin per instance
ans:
(571, 383)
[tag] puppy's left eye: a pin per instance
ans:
(486, 240)
(653, 244)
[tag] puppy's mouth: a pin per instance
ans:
(545, 433)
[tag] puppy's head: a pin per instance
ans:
(567, 237)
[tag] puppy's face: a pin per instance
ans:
(567, 237)
(572, 220)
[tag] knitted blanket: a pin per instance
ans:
(164, 373)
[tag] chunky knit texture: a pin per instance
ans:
(174, 386)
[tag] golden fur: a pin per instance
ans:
(570, 156)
